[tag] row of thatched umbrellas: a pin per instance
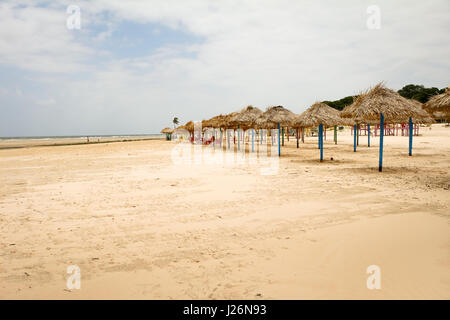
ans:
(377, 105)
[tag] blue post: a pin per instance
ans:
(321, 141)
(239, 137)
(380, 166)
(318, 137)
(410, 135)
(354, 138)
(253, 140)
(279, 146)
(368, 135)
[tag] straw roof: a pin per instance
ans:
(440, 102)
(189, 126)
(226, 121)
(396, 109)
(319, 113)
(246, 117)
(424, 117)
(214, 122)
(273, 116)
(167, 130)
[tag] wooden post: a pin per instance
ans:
(380, 165)
(282, 135)
(410, 135)
(321, 141)
(368, 135)
(303, 135)
(357, 135)
(253, 140)
(318, 137)
(335, 134)
(279, 147)
(239, 137)
(288, 133)
(354, 138)
(297, 136)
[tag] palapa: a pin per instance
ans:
(439, 103)
(167, 130)
(319, 113)
(370, 104)
(246, 118)
(274, 116)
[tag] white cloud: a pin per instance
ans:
(254, 52)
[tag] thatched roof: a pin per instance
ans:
(214, 122)
(319, 113)
(189, 126)
(226, 121)
(440, 102)
(396, 109)
(424, 117)
(273, 116)
(246, 117)
(167, 130)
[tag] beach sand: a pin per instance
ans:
(141, 227)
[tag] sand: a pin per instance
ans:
(140, 227)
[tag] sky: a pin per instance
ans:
(133, 66)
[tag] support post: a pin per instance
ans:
(279, 146)
(357, 134)
(410, 135)
(282, 136)
(321, 141)
(380, 165)
(297, 136)
(368, 135)
(253, 140)
(239, 137)
(354, 138)
(335, 134)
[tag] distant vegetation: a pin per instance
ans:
(340, 104)
(411, 91)
(419, 92)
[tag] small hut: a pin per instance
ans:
(382, 104)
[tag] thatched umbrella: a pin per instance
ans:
(318, 115)
(189, 126)
(215, 122)
(439, 103)
(274, 117)
(245, 119)
(379, 104)
(226, 123)
(168, 131)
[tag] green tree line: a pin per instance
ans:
(410, 91)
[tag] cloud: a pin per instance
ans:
(252, 52)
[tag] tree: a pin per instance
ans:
(175, 121)
(419, 92)
(341, 103)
